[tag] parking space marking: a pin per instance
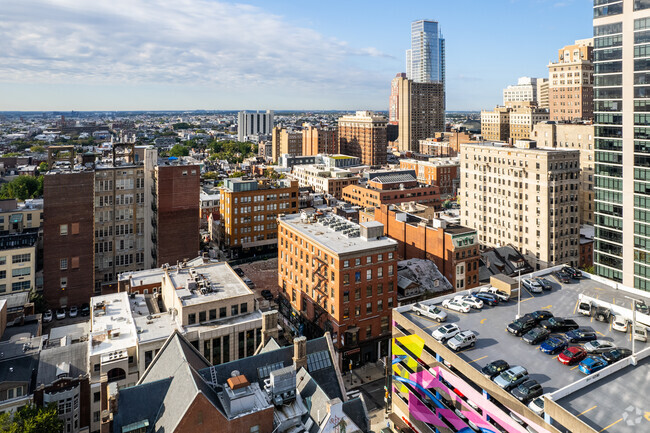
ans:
(576, 307)
(573, 368)
(547, 307)
(478, 359)
(483, 321)
(591, 408)
(600, 333)
(615, 422)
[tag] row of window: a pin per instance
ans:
(205, 316)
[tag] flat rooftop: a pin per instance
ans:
(217, 280)
(601, 403)
(323, 233)
(144, 277)
(112, 328)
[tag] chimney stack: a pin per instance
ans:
(269, 326)
(300, 352)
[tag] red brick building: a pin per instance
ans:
(391, 189)
(419, 235)
(441, 172)
(364, 136)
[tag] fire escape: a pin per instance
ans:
(320, 272)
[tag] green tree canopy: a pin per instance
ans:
(22, 188)
(210, 175)
(181, 125)
(179, 150)
(37, 149)
(237, 174)
(32, 419)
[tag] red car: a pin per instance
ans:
(572, 355)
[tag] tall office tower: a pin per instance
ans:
(285, 141)
(319, 140)
(364, 136)
(542, 93)
(425, 61)
(571, 82)
(393, 103)
(119, 214)
(254, 124)
(622, 65)
(524, 91)
(421, 112)
(523, 196)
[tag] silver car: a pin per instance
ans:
(598, 346)
(445, 332)
(514, 376)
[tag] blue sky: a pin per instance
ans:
(266, 54)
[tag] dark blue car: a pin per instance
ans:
(553, 345)
(592, 364)
(581, 334)
(487, 298)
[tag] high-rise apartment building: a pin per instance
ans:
(249, 123)
(571, 81)
(524, 91)
(565, 135)
(339, 277)
(495, 124)
(514, 122)
(425, 61)
(523, 196)
(622, 68)
(393, 114)
(125, 213)
(286, 141)
(364, 136)
(421, 111)
(542, 93)
(523, 119)
(319, 140)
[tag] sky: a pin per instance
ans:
(267, 54)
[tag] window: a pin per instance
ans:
(368, 274)
(369, 291)
(222, 312)
(380, 257)
(357, 262)
(201, 316)
(380, 305)
(96, 416)
(3, 260)
(390, 256)
(380, 288)
(357, 294)
(243, 308)
(368, 331)
(255, 429)
(357, 310)
(368, 259)
(346, 264)
(346, 278)
(20, 272)
(346, 296)
(63, 264)
(368, 307)
(234, 310)
(357, 277)
(213, 314)
(96, 397)
(63, 229)
(21, 258)
(3, 275)
(96, 367)
(191, 318)
(20, 286)
(390, 270)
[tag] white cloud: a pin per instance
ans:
(186, 42)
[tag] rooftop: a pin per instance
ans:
(335, 233)
(112, 328)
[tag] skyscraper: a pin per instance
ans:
(425, 61)
(254, 124)
(622, 141)
(420, 112)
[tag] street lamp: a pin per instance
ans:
(634, 301)
(519, 297)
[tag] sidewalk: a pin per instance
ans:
(362, 375)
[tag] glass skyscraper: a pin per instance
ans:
(425, 61)
(622, 141)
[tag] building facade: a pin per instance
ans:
(425, 61)
(523, 196)
(319, 140)
(524, 91)
(392, 189)
(340, 277)
(421, 111)
(393, 103)
(571, 82)
(621, 63)
(495, 124)
(364, 136)
(441, 172)
(542, 93)
(286, 141)
(523, 119)
(257, 123)
(324, 179)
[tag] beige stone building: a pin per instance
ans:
(523, 119)
(495, 124)
(523, 196)
(571, 82)
(542, 93)
(573, 136)
(421, 112)
(286, 141)
(514, 121)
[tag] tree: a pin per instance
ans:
(37, 149)
(237, 174)
(181, 125)
(179, 150)
(32, 419)
(22, 188)
(43, 167)
(210, 175)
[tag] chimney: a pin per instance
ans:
(300, 352)
(269, 326)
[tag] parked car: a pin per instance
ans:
(572, 272)
(462, 340)
(641, 307)
(546, 284)
(527, 391)
(553, 345)
(572, 355)
(536, 335)
(445, 332)
(455, 305)
(592, 364)
(532, 285)
(603, 314)
(640, 333)
(60, 314)
(614, 355)
(487, 298)
(430, 311)
(47, 316)
(85, 309)
(580, 334)
(494, 368)
(558, 324)
(514, 376)
(537, 406)
(598, 346)
(73, 311)
(561, 276)
(522, 325)
(473, 302)
(266, 294)
(620, 323)
(239, 271)
(585, 308)
(540, 315)
(503, 296)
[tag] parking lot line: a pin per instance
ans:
(600, 333)
(478, 359)
(576, 307)
(483, 321)
(573, 368)
(615, 422)
(591, 408)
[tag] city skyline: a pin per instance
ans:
(214, 55)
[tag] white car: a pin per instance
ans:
(60, 314)
(620, 323)
(470, 300)
(537, 406)
(455, 305)
(445, 332)
(47, 316)
(598, 346)
(640, 333)
(503, 296)
(532, 285)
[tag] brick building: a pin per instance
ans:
(421, 111)
(421, 235)
(285, 141)
(571, 82)
(339, 277)
(391, 189)
(441, 172)
(364, 136)
(319, 140)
